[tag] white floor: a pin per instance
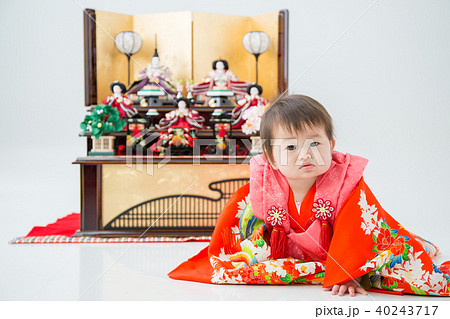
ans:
(130, 272)
(112, 271)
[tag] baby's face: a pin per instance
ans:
(304, 155)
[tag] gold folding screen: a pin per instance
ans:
(188, 43)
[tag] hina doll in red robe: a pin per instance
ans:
(253, 99)
(182, 116)
(308, 217)
(120, 101)
(220, 78)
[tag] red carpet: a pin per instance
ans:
(64, 229)
(66, 226)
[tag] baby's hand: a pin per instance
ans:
(352, 286)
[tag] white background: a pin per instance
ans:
(383, 77)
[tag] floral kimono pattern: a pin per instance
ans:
(246, 260)
(390, 258)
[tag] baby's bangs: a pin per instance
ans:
(296, 120)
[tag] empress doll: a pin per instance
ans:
(253, 98)
(120, 101)
(182, 116)
(220, 78)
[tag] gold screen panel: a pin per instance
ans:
(123, 187)
(111, 63)
(219, 36)
(174, 32)
(268, 61)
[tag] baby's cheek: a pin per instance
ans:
(326, 163)
(326, 155)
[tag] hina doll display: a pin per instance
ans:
(253, 99)
(182, 116)
(308, 217)
(154, 77)
(120, 101)
(220, 78)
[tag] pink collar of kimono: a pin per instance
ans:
(269, 189)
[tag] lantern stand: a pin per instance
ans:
(128, 43)
(256, 58)
(256, 43)
(129, 58)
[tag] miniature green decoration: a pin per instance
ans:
(103, 119)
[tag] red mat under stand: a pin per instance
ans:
(64, 229)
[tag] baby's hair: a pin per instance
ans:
(294, 113)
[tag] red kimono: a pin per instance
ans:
(178, 118)
(244, 105)
(122, 104)
(366, 240)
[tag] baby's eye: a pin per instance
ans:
(291, 147)
(314, 144)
